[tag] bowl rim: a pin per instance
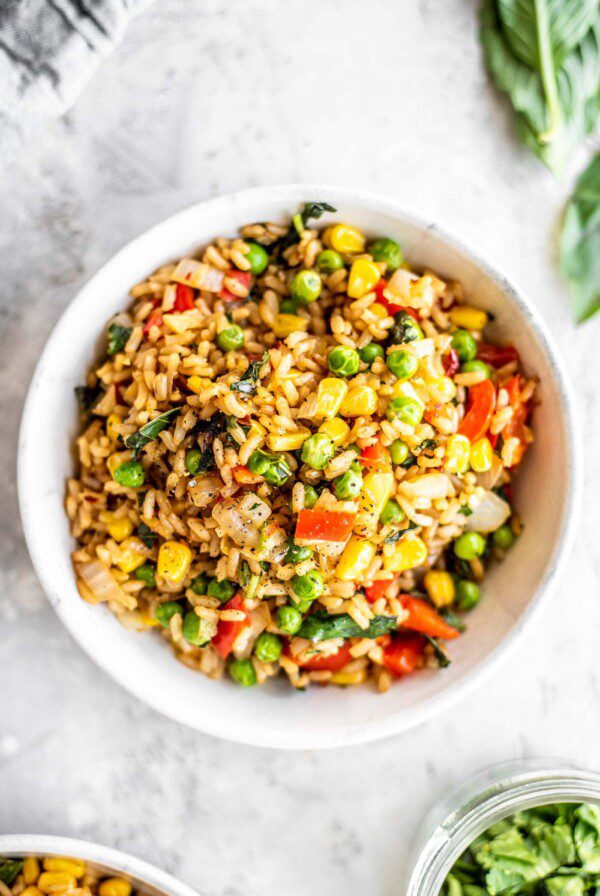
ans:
(49, 844)
(384, 726)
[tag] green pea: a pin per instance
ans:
(399, 452)
(406, 409)
(405, 329)
(469, 545)
(130, 474)
(268, 647)
(288, 306)
(504, 537)
(297, 553)
(223, 590)
(145, 573)
(279, 471)
(289, 620)
(196, 630)
(391, 513)
(369, 352)
(344, 361)
(231, 338)
(311, 496)
(192, 460)
(356, 466)
(258, 257)
(402, 364)
(476, 366)
(242, 672)
(467, 594)
(200, 584)
(389, 251)
(348, 486)
(259, 462)
(306, 287)
(165, 612)
(328, 261)
(464, 345)
(309, 586)
(303, 604)
(317, 451)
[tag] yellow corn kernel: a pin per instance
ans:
(355, 559)
(198, 384)
(345, 239)
(287, 441)
(118, 528)
(173, 561)
(440, 587)
(376, 491)
(150, 621)
(482, 456)
(115, 460)
(409, 553)
(115, 886)
(330, 394)
(72, 866)
(378, 310)
(349, 677)
(285, 324)
(131, 554)
(458, 449)
(56, 881)
(182, 321)
(111, 421)
(30, 891)
(442, 389)
(364, 276)
(335, 429)
(360, 401)
(31, 869)
(468, 318)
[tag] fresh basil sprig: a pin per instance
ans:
(580, 243)
(149, 431)
(10, 870)
(321, 626)
(247, 383)
(545, 55)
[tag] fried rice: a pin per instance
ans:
(295, 458)
(57, 876)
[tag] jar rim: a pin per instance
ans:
(486, 798)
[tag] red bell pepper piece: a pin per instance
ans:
(324, 525)
(245, 476)
(332, 663)
(375, 456)
(154, 319)
(391, 307)
(184, 298)
(227, 632)
(402, 655)
(482, 401)
(515, 426)
(377, 589)
(497, 355)
(423, 618)
(451, 362)
(244, 278)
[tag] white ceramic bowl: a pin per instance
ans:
(145, 878)
(546, 495)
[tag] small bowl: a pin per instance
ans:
(144, 878)
(547, 490)
(463, 815)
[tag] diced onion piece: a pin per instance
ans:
(254, 509)
(430, 485)
(400, 283)
(198, 274)
(239, 520)
(490, 478)
(491, 513)
(101, 586)
(204, 489)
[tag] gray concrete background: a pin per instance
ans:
(208, 97)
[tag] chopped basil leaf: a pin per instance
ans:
(149, 431)
(117, 338)
(321, 626)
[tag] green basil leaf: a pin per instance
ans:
(117, 338)
(147, 535)
(439, 652)
(565, 22)
(10, 870)
(247, 383)
(321, 626)
(88, 396)
(149, 431)
(580, 243)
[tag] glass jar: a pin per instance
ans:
(460, 817)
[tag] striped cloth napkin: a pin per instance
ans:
(49, 49)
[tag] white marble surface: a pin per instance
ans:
(202, 98)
